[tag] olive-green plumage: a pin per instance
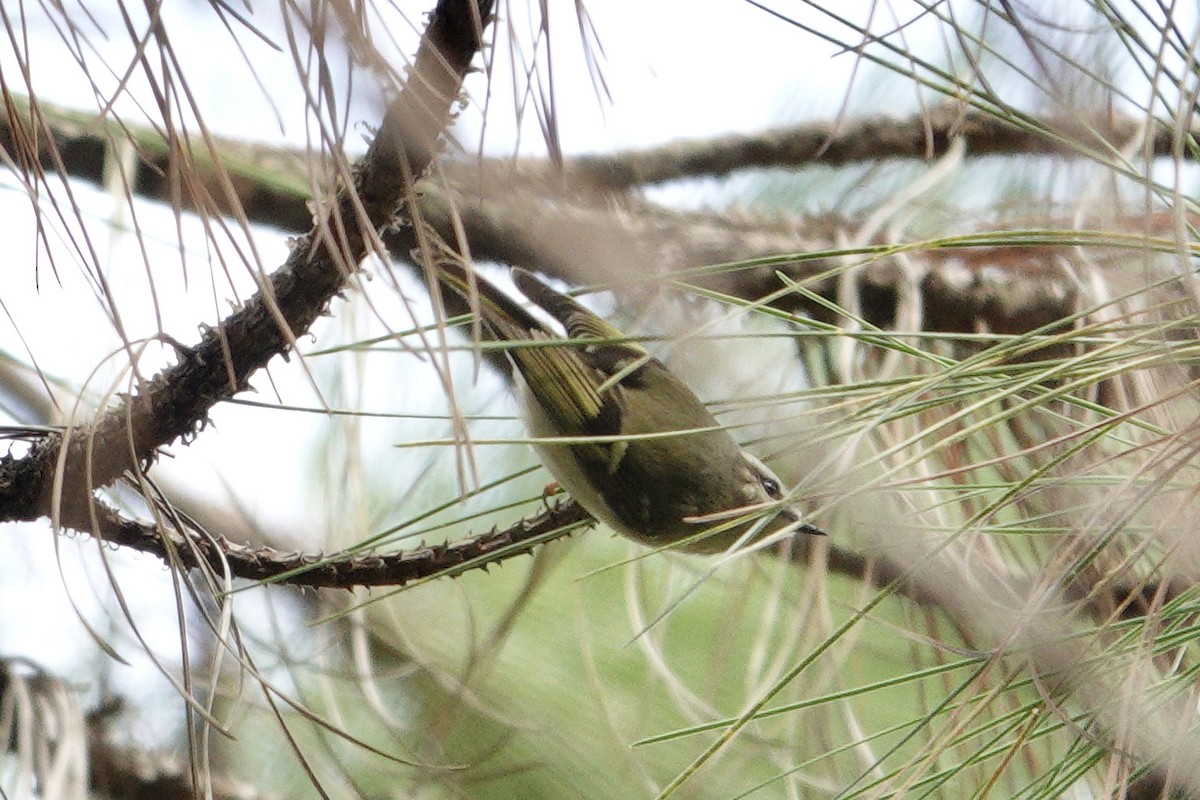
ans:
(593, 384)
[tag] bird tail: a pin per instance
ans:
(578, 321)
(502, 317)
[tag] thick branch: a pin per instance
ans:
(176, 402)
(1008, 289)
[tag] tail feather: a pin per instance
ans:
(503, 317)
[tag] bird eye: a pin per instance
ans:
(771, 487)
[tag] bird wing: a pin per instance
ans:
(571, 382)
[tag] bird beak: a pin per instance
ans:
(797, 523)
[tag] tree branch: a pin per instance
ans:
(274, 188)
(836, 143)
(175, 403)
(541, 220)
(214, 554)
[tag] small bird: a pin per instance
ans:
(661, 469)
